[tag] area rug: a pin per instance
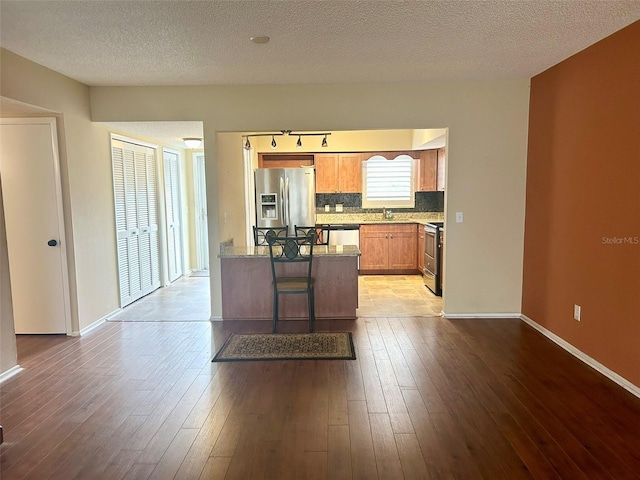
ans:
(287, 346)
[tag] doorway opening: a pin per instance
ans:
(339, 196)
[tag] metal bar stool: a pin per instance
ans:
(261, 235)
(292, 250)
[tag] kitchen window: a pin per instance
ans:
(388, 183)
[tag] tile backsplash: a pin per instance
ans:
(352, 203)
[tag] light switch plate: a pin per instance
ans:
(459, 217)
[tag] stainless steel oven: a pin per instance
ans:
(432, 257)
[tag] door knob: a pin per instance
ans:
(52, 243)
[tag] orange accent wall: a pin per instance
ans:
(582, 223)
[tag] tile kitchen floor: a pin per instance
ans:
(187, 300)
(396, 296)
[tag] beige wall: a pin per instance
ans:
(340, 141)
(189, 212)
(231, 189)
(487, 124)
(8, 357)
(87, 182)
(423, 137)
(487, 144)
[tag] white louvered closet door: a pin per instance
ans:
(172, 206)
(136, 219)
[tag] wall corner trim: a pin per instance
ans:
(215, 318)
(10, 373)
(580, 355)
(98, 322)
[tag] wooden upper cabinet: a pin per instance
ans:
(441, 169)
(350, 172)
(427, 179)
(338, 172)
(326, 165)
(283, 160)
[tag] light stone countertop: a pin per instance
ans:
(318, 250)
(374, 218)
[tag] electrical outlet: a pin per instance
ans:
(576, 312)
(459, 217)
(327, 208)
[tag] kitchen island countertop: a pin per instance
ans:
(318, 250)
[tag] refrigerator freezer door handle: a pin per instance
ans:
(282, 219)
(288, 207)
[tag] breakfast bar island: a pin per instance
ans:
(247, 292)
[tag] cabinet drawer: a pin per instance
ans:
(388, 228)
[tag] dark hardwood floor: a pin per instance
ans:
(426, 398)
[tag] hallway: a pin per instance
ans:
(187, 300)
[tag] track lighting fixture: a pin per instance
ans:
(286, 133)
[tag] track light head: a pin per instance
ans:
(247, 144)
(299, 142)
(273, 142)
(324, 141)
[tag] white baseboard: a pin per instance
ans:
(10, 373)
(98, 322)
(481, 315)
(580, 355)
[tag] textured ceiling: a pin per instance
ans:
(196, 43)
(147, 42)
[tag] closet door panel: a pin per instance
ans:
(152, 200)
(172, 206)
(136, 220)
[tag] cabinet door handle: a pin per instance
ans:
(391, 236)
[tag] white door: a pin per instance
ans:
(172, 207)
(31, 192)
(200, 193)
(134, 188)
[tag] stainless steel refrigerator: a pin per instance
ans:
(285, 196)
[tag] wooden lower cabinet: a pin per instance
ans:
(374, 249)
(388, 248)
(420, 251)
